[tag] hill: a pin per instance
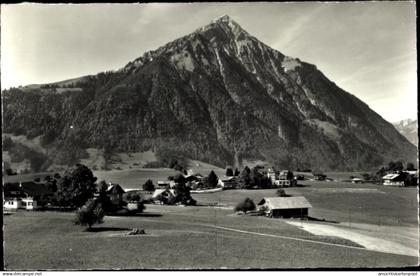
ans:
(217, 95)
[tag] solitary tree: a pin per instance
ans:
(182, 195)
(91, 213)
(212, 179)
(76, 186)
(410, 167)
(245, 180)
(148, 186)
(237, 172)
(245, 206)
(229, 172)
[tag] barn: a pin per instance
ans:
(285, 207)
(393, 179)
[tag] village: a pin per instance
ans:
(181, 188)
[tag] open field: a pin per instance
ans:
(356, 215)
(178, 237)
(340, 201)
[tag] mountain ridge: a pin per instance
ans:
(218, 95)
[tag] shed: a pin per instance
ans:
(393, 179)
(285, 206)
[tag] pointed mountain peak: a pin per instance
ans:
(223, 18)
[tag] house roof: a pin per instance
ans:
(286, 202)
(391, 176)
(30, 188)
(160, 191)
(115, 189)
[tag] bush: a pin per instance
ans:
(281, 193)
(229, 172)
(148, 186)
(91, 213)
(245, 206)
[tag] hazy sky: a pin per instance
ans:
(367, 48)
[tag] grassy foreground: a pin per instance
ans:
(177, 237)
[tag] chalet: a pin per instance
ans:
(285, 183)
(285, 207)
(25, 195)
(229, 183)
(271, 173)
(166, 184)
(115, 194)
(393, 179)
(162, 196)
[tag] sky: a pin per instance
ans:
(366, 48)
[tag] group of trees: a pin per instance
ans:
(230, 172)
(253, 179)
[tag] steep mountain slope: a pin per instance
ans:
(409, 129)
(217, 95)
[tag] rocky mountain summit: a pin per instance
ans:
(409, 129)
(218, 95)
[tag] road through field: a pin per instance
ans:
(386, 239)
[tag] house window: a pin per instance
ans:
(29, 203)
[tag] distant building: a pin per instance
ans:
(25, 195)
(229, 183)
(285, 183)
(285, 207)
(393, 179)
(162, 196)
(165, 184)
(115, 194)
(271, 173)
(356, 180)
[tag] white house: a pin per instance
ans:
(12, 203)
(29, 203)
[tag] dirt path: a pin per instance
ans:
(387, 239)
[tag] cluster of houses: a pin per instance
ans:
(25, 195)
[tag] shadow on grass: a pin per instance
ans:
(135, 215)
(106, 229)
(302, 185)
(323, 220)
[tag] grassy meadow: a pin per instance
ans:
(176, 237)
(213, 237)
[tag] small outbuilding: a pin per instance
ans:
(393, 179)
(285, 207)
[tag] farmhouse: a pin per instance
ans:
(165, 184)
(115, 194)
(25, 195)
(162, 196)
(393, 179)
(285, 207)
(229, 183)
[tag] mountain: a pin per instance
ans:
(217, 95)
(408, 128)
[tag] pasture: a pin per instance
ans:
(176, 238)
(214, 237)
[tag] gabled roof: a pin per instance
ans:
(160, 191)
(285, 202)
(115, 189)
(391, 176)
(30, 188)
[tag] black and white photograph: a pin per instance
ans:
(209, 136)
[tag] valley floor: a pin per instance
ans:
(350, 226)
